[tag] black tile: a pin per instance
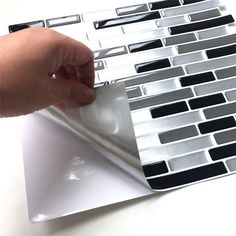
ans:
(169, 109)
(122, 11)
(220, 52)
(126, 20)
(206, 101)
(163, 4)
(155, 169)
(201, 25)
(185, 2)
(216, 125)
(152, 65)
(223, 152)
(21, 26)
(137, 47)
(197, 79)
(188, 176)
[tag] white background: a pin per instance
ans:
(202, 209)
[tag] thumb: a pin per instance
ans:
(71, 91)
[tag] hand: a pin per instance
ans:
(28, 60)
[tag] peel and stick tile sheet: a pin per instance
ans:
(177, 60)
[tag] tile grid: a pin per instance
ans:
(202, 112)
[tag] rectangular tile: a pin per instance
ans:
(231, 164)
(122, 11)
(215, 87)
(156, 76)
(222, 51)
(206, 101)
(160, 86)
(152, 65)
(147, 141)
(135, 58)
(140, 116)
(188, 161)
(217, 125)
(205, 44)
(139, 27)
(185, 2)
(188, 176)
(142, 46)
(213, 32)
(177, 20)
(223, 152)
(179, 39)
(65, 20)
(99, 65)
(168, 151)
(222, 110)
(188, 58)
(169, 122)
(163, 4)
(155, 169)
(211, 64)
(205, 15)
(201, 25)
(21, 26)
(197, 79)
(170, 109)
(161, 99)
(202, 6)
(231, 95)
(134, 37)
(110, 52)
(126, 20)
(225, 136)
(99, 15)
(178, 134)
(226, 72)
(134, 92)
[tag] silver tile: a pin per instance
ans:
(140, 116)
(186, 9)
(139, 57)
(134, 92)
(140, 27)
(204, 44)
(231, 164)
(178, 39)
(189, 58)
(110, 52)
(205, 15)
(161, 99)
(231, 95)
(161, 86)
(177, 20)
(134, 37)
(99, 65)
(215, 87)
(131, 9)
(63, 20)
(155, 76)
(148, 141)
(211, 64)
(178, 134)
(169, 151)
(226, 72)
(222, 110)
(99, 15)
(188, 161)
(225, 136)
(167, 123)
(213, 32)
(114, 74)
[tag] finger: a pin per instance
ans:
(67, 91)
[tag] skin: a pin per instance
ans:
(28, 60)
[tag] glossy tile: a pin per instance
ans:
(131, 9)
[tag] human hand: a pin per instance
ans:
(29, 58)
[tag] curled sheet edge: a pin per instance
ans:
(106, 125)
